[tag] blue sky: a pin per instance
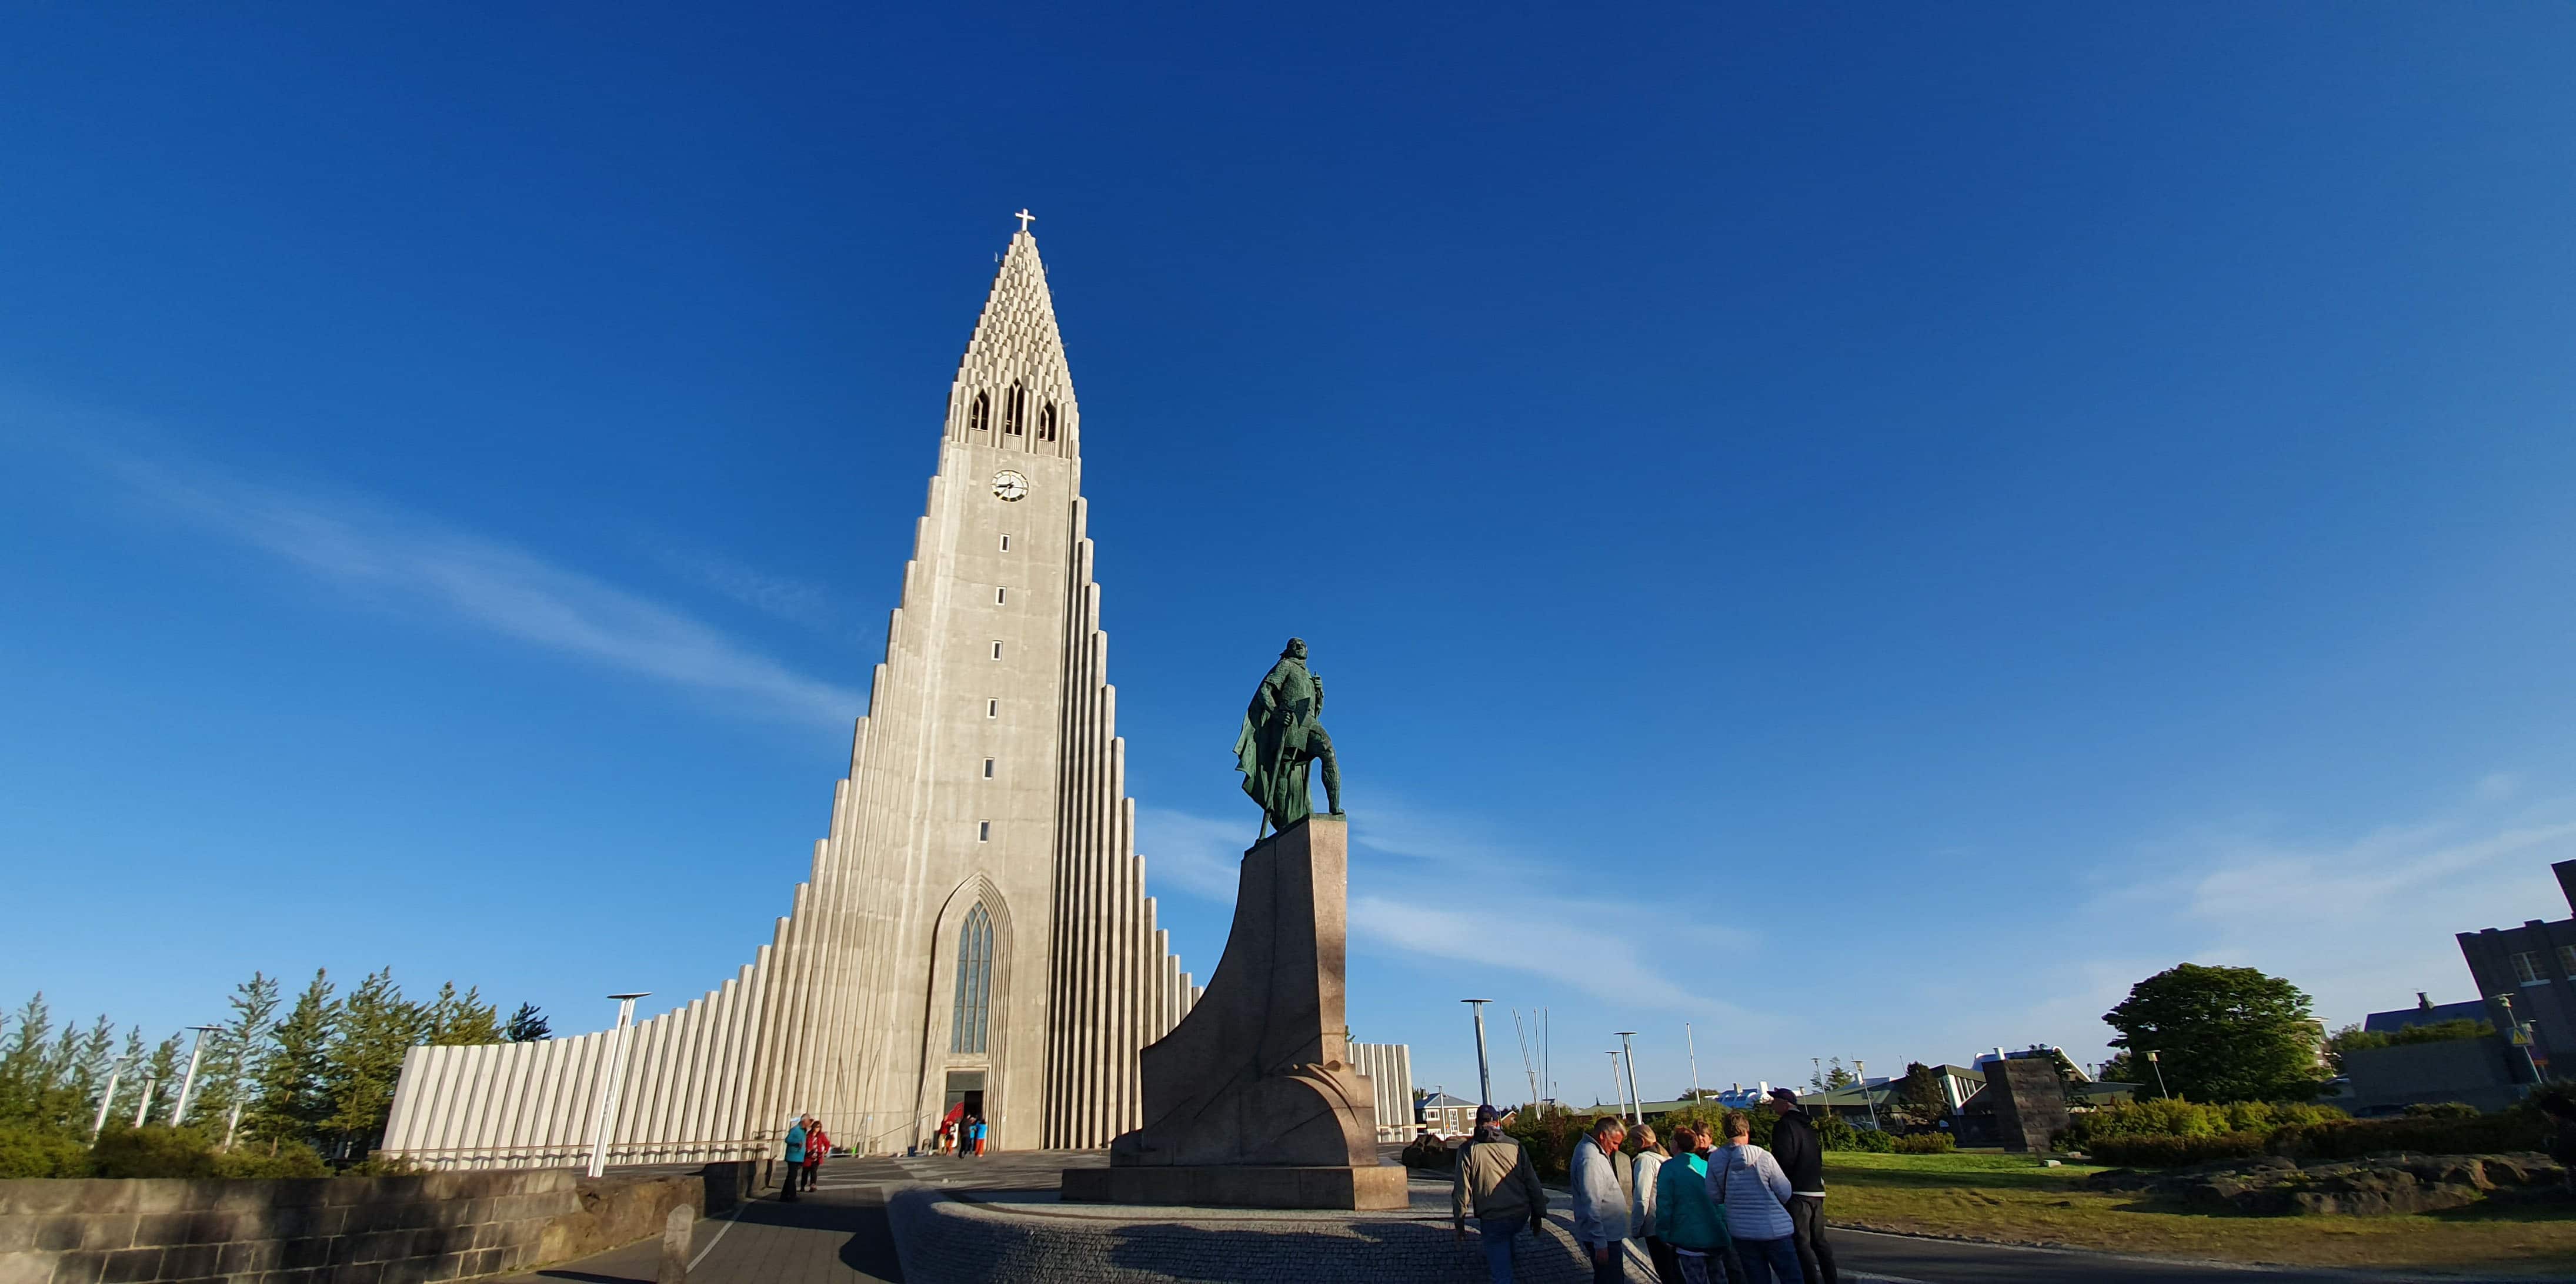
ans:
(1863, 530)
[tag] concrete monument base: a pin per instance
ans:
(1252, 1101)
(1356, 1187)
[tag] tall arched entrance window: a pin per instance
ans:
(968, 1032)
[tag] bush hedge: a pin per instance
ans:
(154, 1150)
(2148, 1150)
(2522, 1127)
(1926, 1143)
(34, 1152)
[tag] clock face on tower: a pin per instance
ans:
(1009, 485)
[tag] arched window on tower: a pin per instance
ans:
(980, 416)
(974, 982)
(1015, 411)
(1046, 423)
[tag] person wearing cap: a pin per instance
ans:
(1495, 1179)
(1600, 1204)
(1802, 1156)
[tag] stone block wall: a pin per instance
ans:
(328, 1230)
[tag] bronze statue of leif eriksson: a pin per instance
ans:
(1281, 736)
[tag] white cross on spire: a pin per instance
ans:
(1025, 218)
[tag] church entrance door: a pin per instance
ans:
(965, 1096)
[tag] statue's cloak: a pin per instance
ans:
(1270, 751)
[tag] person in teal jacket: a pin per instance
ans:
(1685, 1216)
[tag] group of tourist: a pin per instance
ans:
(1757, 1215)
(963, 1136)
(807, 1144)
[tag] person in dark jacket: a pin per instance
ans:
(1802, 1157)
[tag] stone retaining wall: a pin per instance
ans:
(325, 1230)
(945, 1240)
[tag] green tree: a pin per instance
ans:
(2222, 1033)
(289, 1100)
(377, 1028)
(1832, 1076)
(1919, 1096)
(527, 1025)
(233, 1054)
(454, 1019)
(162, 1068)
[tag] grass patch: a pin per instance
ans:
(2013, 1198)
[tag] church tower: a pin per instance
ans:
(976, 935)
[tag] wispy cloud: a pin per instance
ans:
(798, 602)
(371, 550)
(1412, 906)
(2360, 922)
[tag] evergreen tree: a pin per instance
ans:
(161, 1071)
(377, 1027)
(462, 1018)
(527, 1025)
(1919, 1096)
(289, 1099)
(233, 1052)
(26, 1079)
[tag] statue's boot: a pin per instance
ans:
(1332, 784)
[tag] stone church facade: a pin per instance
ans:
(976, 930)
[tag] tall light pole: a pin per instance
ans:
(2518, 1036)
(188, 1083)
(2160, 1073)
(105, 1099)
(1635, 1102)
(1484, 1077)
(1617, 1092)
(1693, 1045)
(1860, 1075)
(608, 1083)
(143, 1104)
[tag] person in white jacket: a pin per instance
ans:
(1754, 1194)
(1641, 1205)
(1600, 1207)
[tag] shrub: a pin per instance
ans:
(1926, 1143)
(2442, 1110)
(2150, 1150)
(403, 1166)
(38, 1152)
(2521, 1128)
(292, 1159)
(153, 1150)
(2172, 1117)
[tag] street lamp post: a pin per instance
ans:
(621, 1037)
(1693, 1045)
(2516, 1034)
(1617, 1093)
(188, 1083)
(1635, 1102)
(105, 1099)
(2159, 1068)
(1484, 1077)
(143, 1104)
(1860, 1075)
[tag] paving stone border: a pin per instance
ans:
(323, 1230)
(949, 1237)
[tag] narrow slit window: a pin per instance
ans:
(1046, 423)
(988, 769)
(983, 831)
(1001, 595)
(992, 708)
(1015, 405)
(1006, 543)
(997, 650)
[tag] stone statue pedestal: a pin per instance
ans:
(1251, 1101)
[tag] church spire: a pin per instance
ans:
(1013, 389)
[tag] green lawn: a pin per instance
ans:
(2011, 1198)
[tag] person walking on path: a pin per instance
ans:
(1496, 1181)
(1649, 1161)
(1746, 1182)
(1686, 1219)
(1600, 1206)
(795, 1159)
(1802, 1158)
(980, 1127)
(817, 1145)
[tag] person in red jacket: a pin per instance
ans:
(817, 1144)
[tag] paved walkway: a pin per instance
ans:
(838, 1234)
